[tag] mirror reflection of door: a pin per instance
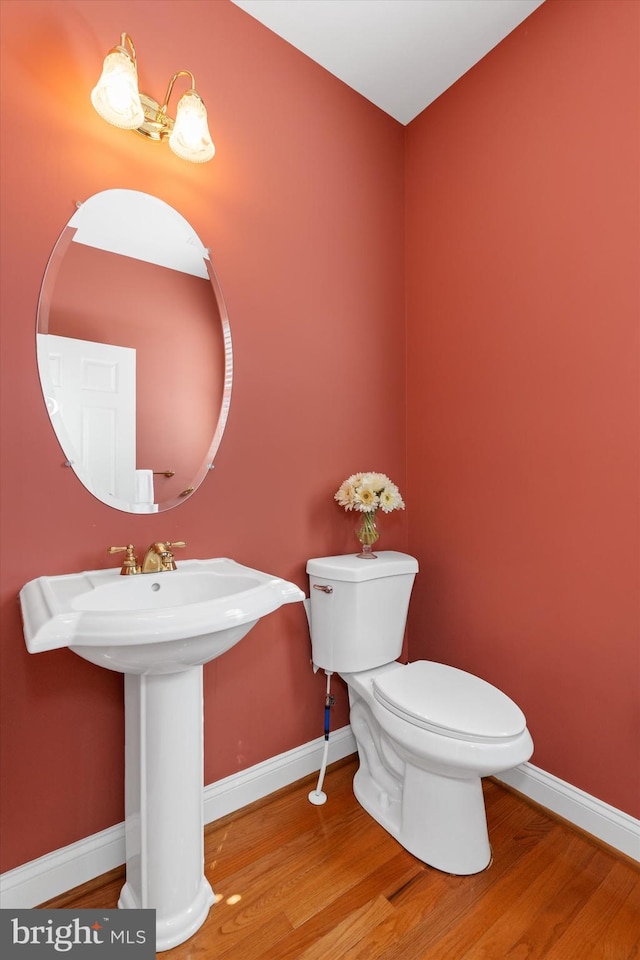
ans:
(93, 392)
(129, 272)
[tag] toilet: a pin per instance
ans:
(426, 732)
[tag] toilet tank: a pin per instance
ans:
(358, 609)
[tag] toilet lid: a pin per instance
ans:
(449, 701)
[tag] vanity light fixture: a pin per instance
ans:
(118, 101)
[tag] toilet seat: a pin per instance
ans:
(449, 702)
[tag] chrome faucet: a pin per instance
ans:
(159, 557)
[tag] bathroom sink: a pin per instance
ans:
(158, 629)
(153, 622)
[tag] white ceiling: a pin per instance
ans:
(399, 54)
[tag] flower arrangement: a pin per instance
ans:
(367, 493)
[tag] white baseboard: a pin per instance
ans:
(56, 872)
(49, 876)
(239, 789)
(606, 823)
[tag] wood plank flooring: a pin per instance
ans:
(299, 882)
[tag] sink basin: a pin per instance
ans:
(151, 623)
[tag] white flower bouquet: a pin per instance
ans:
(367, 493)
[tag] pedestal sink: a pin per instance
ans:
(158, 629)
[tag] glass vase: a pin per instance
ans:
(367, 534)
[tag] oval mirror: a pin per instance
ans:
(134, 351)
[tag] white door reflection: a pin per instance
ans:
(91, 397)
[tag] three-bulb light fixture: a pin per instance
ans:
(117, 99)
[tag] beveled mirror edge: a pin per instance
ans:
(225, 404)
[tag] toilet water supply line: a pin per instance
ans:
(318, 796)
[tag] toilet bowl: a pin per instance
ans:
(426, 732)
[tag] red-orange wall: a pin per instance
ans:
(302, 208)
(520, 367)
(523, 410)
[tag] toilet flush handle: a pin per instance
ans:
(323, 587)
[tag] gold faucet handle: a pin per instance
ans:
(168, 563)
(130, 563)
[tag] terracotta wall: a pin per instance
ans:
(523, 428)
(302, 208)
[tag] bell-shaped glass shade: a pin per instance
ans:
(116, 96)
(190, 138)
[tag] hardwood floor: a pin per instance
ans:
(299, 882)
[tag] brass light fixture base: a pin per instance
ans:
(157, 124)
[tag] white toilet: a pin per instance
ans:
(426, 732)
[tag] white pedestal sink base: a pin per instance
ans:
(164, 819)
(158, 629)
(172, 931)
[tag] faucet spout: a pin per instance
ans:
(159, 557)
